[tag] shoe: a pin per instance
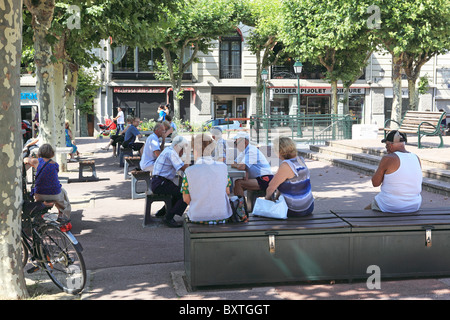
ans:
(172, 223)
(72, 160)
(105, 148)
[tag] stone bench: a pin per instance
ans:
(323, 246)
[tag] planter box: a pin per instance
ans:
(267, 251)
(401, 245)
(324, 246)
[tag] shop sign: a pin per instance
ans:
(28, 96)
(138, 90)
(315, 91)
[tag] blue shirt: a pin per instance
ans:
(130, 135)
(255, 162)
(167, 164)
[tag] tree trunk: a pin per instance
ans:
(346, 108)
(397, 91)
(70, 92)
(334, 100)
(42, 16)
(413, 95)
(12, 282)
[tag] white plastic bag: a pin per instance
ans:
(271, 209)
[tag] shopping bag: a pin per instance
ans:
(271, 209)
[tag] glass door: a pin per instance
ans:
(223, 109)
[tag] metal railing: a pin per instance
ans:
(307, 129)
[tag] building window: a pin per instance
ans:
(230, 56)
(123, 59)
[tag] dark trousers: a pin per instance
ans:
(161, 185)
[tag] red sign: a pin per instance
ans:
(139, 90)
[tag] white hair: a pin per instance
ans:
(179, 140)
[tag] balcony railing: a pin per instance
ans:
(230, 71)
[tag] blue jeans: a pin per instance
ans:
(120, 127)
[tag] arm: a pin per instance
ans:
(34, 162)
(186, 198)
(283, 173)
(378, 176)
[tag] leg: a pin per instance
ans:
(241, 185)
(178, 207)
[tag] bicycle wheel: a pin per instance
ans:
(61, 260)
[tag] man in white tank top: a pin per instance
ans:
(400, 175)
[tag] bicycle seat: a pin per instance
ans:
(33, 208)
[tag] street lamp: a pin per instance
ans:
(298, 66)
(264, 76)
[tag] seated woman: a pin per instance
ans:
(70, 143)
(47, 185)
(206, 185)
(292, 179)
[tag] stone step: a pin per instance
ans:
(429, 184)
(428, 167)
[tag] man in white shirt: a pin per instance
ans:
(152, 148)
(120, 118)
(400, 176)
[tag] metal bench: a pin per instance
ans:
(323, 246)
(420, 123)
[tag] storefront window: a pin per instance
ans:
(223, 109)
(318, 105)
(279, 106)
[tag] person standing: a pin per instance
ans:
(120, 118)
(400, 175)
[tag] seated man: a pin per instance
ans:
(164, 171)
(253, 161)
(131, 135)
(152, 148)
(400, 176)
(220, 150)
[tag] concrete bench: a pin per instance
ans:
(87, 164)
(420, 123)
(136, 176)
(130, 162)
(323, 246)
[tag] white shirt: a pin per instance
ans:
(207, 181)
(121, 118)
(148, 155)
(400, 190)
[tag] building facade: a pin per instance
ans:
(223, 84)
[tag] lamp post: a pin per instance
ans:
(264, 76)
(298, 66)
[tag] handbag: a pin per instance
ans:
(271, 209)
(239, 209)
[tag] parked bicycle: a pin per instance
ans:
(49, 245)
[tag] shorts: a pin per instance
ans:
(375, 206)
(263, 181)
